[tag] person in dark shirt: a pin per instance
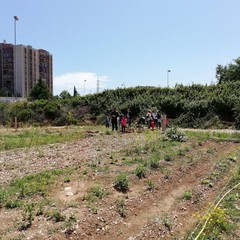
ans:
(114, 116)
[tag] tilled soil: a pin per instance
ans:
(159, 213)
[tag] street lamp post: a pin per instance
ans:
(15, 54)
(168, 71)
(84, 87)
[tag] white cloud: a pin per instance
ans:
(67, 82)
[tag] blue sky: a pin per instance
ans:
(126, 43)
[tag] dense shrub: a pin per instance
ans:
(189, 106)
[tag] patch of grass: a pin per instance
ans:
(121, 207)
(27, 187)
(167, 174)
(167, 222)
(207, 182)
(150, 185)
(203, 135)
(141, 171)
(154, 163)
(168, 158)
(28, 217)
(95, 193)
(121, 182)
(93, 208)
(13, 204)
(187, 195)
(56, 215)
(175, 134)
(108, 132)
(38, 136)
(70, 225)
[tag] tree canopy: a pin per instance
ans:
(228, 73)
(40, 91)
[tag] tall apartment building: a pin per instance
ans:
(21, 67)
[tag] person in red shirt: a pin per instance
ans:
(124, 124)
(152, 124)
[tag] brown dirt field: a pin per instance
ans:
(160, 213)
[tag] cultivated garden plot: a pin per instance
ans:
(81, 183)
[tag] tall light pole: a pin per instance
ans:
(84, 87)
(15, 54)
(168, 71)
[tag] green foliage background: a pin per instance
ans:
(189, 106)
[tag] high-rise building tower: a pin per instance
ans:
(31, 65)
(6, 69)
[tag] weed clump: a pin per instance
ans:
(175, 135)
(122, 182)
(141, 171)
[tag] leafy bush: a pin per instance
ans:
(237, 116)
(175, 135)
(122, 182)
(141, 171)
(192, 106)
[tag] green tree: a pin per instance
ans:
(65, 94)
(228, 73)
(40, 91)
(75, 92)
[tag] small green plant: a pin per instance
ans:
(28, 217)
(94, 209)
(3, 196)
(85, 172)
(181, 152)
(141, 171)
(108, 132)
(232, 158)
(217, 222)
(67, 180)
(121, 207)
(207, 182)
(167, 222)
(154, 163)
(167, 158)
(187, 195)
(121, 182)
(56, 216)
(150, 185)
(69, 225)
(167, 174)
(175, 135)
(13, 204)
(95, 193)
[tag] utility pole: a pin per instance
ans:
(84, 83)
(168, 71)
(98, 83)
(15, 55)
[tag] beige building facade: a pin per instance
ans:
(21, 67)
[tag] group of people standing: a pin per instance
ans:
(154, 119)
(117, 120)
